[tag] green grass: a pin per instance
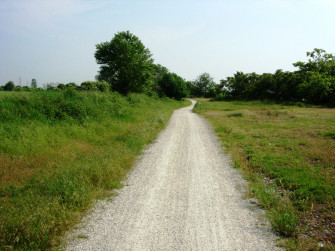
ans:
(288, 155)
(59, 151)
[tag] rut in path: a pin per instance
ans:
(182, 194)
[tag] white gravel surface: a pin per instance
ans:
(182, 194)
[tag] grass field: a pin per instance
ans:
(288, 155)
(61, 150)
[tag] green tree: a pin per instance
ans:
(71, 85)
(125, 63)
(173, 86)
(61, 86)
(89, 86)
(33, 83)
(9, 86)
(158, 73)
(319, 61)
(317, 77)
(204, 86)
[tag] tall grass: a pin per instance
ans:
(288, 155)
(61, 150)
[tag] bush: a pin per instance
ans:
(71, 85)
(89, 86)
(102, 86)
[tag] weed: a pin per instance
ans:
(237, 114)
(223, 129)
(330, 135)
(284, 220)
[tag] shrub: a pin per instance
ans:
(237, 114)
(89, 86)
(102, 86)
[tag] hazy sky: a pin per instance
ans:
(54, 41)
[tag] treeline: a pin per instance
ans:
(126, 66)
(313, 82)
(102, 86)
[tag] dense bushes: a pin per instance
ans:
(55, 106)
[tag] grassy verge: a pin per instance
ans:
(288, 155)
(61, 150)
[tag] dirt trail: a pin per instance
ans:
(182, 194)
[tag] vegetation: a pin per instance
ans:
(125, 63)
(313, 83)
(33, 83)
(63, 147)
(127, 66)
(9, 86)
(288, 155)
(173, 86)
(203, 86)
(60, 150)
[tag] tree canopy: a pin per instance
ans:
(313, 82)
(33, 83)
(173, 86)
(9, 86)
(204, 86)
(125, 63)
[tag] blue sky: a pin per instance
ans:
(54, 41)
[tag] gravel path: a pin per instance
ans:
(181, 195)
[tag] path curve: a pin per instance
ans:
(182, 194)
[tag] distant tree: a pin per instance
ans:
(51, 86)
(173, 86)
(89, 86)
(25, 88)
(125, 63)
(204, 86)
(158, 72)
(18, 88)
(61, 86)
(33, 83)
(71, 85)
(286, 86)
(320, 61)
(9, 86)
(317, 77)
(264, 87)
